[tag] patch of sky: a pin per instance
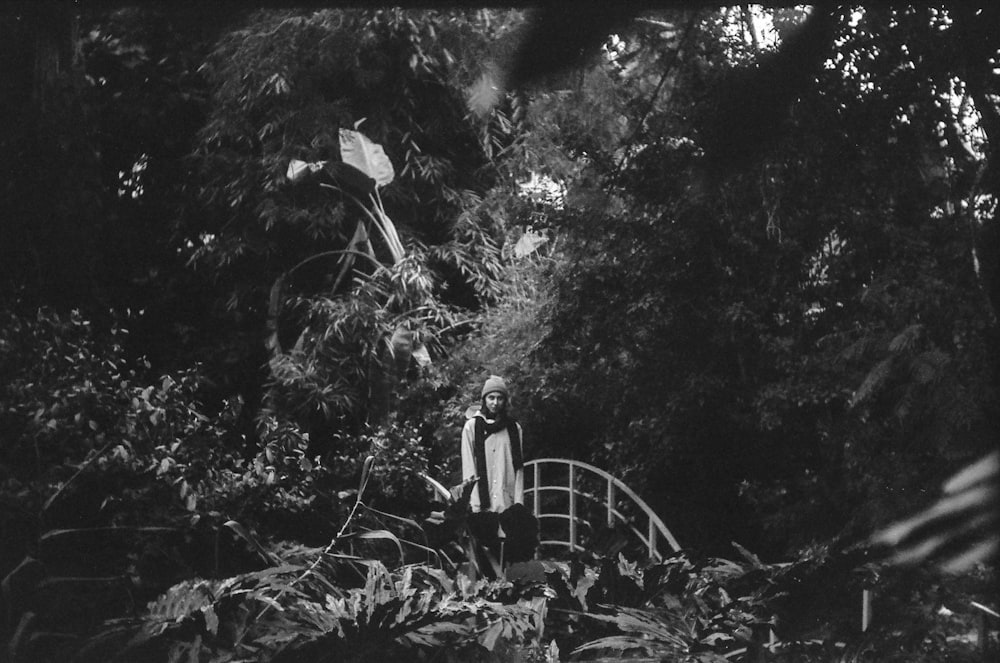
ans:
(543, 189)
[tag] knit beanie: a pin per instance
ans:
(495, 383)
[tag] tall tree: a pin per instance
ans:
(318, 261)
(811, 337)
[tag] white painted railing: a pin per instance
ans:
(610, 503)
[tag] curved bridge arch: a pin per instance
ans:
(610, 503)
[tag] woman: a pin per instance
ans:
(493, 453)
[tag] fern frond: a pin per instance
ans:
(180, 602)
(906, 339)
(875, 379)
(647, 626)
(866, 346)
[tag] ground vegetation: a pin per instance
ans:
(256, 264)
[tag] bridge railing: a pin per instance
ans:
(614, 504)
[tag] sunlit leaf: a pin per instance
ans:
(378, 535)
(298, 169)
(368, 157)
(529, 243)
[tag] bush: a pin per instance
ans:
(94, 439)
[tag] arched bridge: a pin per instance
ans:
(575, 501)
(577, 505)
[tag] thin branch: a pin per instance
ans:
(668, 70)
(325, 254)
(88, 463)
(747, 17)
(366, 474)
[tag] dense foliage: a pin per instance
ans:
(745, 259)
(812, 339)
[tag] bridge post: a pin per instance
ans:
(611, 503)
(572, 508)
(537, 492)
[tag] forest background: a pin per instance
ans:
(780, 334)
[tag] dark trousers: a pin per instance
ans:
(520, 529)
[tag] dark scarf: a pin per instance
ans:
(484, 429)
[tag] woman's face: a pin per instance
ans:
(495, 402)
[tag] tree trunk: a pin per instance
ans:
(57, 51)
